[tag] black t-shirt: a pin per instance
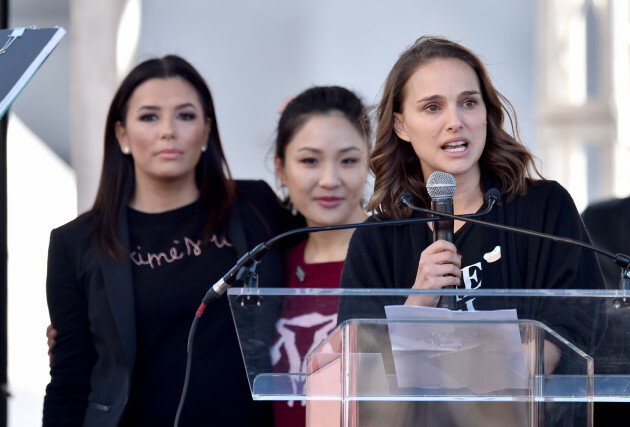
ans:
(481, 252)
(172, 270)
(387, 257)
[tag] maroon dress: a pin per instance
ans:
(299, 329)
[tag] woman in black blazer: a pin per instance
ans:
(124, 279)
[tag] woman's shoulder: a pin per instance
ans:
(544, 199)
(77, 227)
(608, 207)
(545, 191)
(256, 194)
(74, 236)
(253, 188)
(544, 186)
(378, 229)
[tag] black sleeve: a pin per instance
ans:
(289, 222)
(73, 355)
(370, 263)
(260, 207)
(608, 224)
(564, 266)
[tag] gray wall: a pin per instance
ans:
(254, 54)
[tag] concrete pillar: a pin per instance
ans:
(93, 29)
(576, 113)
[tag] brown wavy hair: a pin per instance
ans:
(396, 167)
(117, 182)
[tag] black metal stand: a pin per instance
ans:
(4, 23)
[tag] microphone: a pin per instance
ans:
(441, 188)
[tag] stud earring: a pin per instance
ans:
(126, 150)
(203, 148)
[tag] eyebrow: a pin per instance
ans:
(178, 107)
(317, 150)
(436, 97)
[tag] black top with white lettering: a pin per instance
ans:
(172, 270)
(387, 257)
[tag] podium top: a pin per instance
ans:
(590, 327)
(607, 294)
(22, 52)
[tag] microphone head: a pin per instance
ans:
(441, 185)
(405, 197)
(493, 193)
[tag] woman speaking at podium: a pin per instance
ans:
(440, 112)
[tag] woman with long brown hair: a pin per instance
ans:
(125, 279)
(440, 112)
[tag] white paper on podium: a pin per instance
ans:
(484, 357)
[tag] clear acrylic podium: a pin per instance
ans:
(567, 350)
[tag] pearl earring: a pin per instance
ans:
(203, 148)
(126, 150)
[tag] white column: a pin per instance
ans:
(93, 29)
(572, 124)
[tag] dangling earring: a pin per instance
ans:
(285, 199)
(203, 148)
(283, 194)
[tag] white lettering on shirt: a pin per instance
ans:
(191, 248)
(471, 281)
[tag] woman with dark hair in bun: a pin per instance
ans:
(321, 158)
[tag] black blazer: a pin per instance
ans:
(91, 304)
(608, 224)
